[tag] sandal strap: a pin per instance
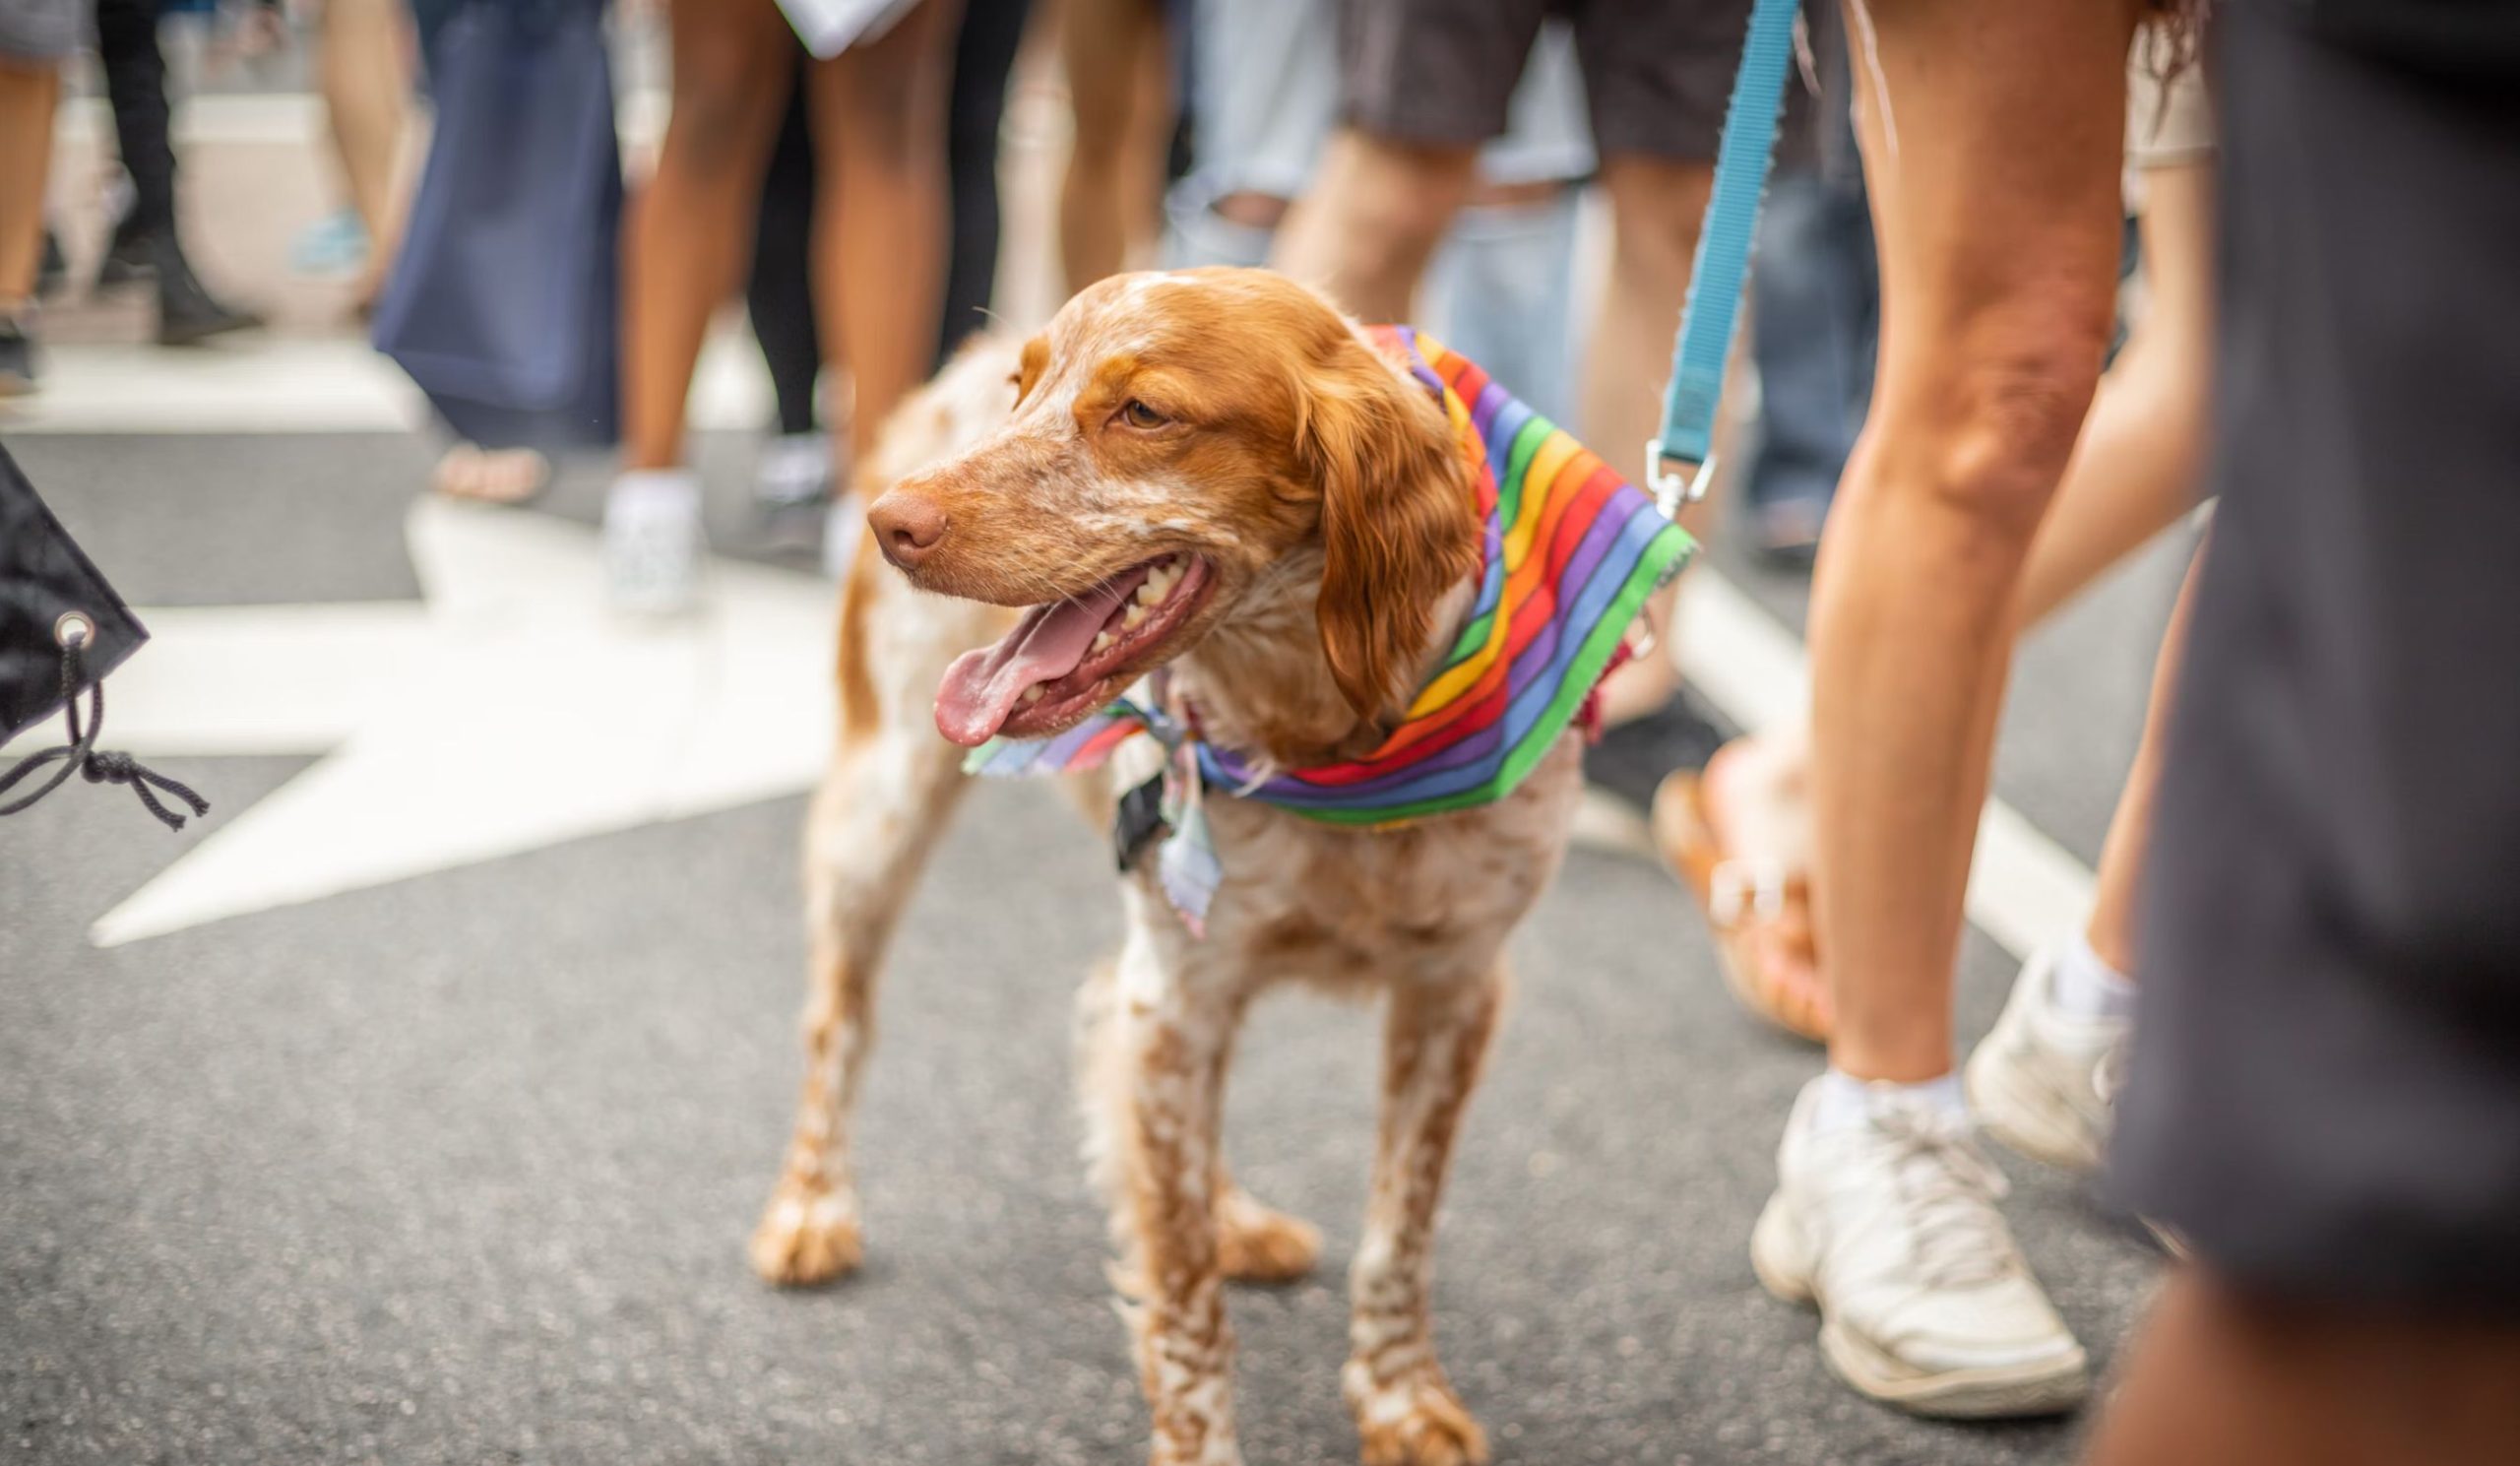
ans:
(1754, 889)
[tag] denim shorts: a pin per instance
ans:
(1656, 73)
(42, 29)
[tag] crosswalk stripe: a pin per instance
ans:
(301, 385)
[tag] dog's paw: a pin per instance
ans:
(1258, 1245)
(1413, 1421)
(807, 1236)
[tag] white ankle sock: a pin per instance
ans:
(1847, 1101)
(642, 490)
(2085, 986)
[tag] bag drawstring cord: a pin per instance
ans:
(80, 754)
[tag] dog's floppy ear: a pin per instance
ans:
(1399, 527)
(1030, 366)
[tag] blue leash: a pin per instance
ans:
(1679, 462)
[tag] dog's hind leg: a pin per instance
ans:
(1258, 1243)
(1407, 1412)
(892, 781)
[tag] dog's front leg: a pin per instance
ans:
(1155, 1089)
(1407, 1414)
(873, 821)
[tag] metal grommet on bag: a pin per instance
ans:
(73, 629)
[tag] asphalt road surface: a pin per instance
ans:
(458, 1168)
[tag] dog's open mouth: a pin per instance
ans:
(1066, 659)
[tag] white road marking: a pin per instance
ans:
(302, 385)
(296, 119)
(508, 711)
(2024, 888)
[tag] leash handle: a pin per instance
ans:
(1679, 462)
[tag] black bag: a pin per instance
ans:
(62, 629)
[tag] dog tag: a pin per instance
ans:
(1139, 820)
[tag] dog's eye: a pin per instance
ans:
(1138, 414)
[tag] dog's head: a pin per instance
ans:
(1177, 440)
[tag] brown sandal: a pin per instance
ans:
(1759, 911)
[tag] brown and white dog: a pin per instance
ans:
(1215, 472)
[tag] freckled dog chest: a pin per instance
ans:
(1329, 902)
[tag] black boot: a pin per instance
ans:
(187, 311)
(54, 270)
(130, 255)
(18, 373)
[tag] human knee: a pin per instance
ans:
(2010, 406)
(883, 115)
(1396, 209)
(1654, 218)
(725, 114)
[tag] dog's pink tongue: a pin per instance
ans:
(981, 687)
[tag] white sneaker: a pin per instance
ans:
(791, 471)
(1888, 1223)
(2044, 1081)
(652, 543)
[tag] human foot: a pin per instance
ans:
(1738, 836)
(491, 475)
(1884, 1218)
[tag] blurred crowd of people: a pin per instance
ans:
(1432, 161)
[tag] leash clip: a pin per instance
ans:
(1676, 483)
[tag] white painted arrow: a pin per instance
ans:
(508, 710)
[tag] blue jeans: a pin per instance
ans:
(1816, 318)
(1501, 291)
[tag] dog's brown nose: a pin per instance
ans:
(907, 527)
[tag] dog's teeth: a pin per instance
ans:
(1032, 694)
(1132, 618)
(1102, 641)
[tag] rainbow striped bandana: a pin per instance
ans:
(1572, 551)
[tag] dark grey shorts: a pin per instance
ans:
(42, 29)
(1656, 73)
(2326, 1092)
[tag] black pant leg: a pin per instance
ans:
(779, 297)
(983, 57)
(135, 83)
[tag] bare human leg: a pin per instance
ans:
(2223, 1373)
(879, 214)
(1656, 205)
(2134, 472)
(1991, 139)
(1119, 77)
(1996, 208)
(29, 95)
(1377, 209)
(362, 59)
(2111, 928)
(2045, 1080)
(2138, 462)
(689, 230)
